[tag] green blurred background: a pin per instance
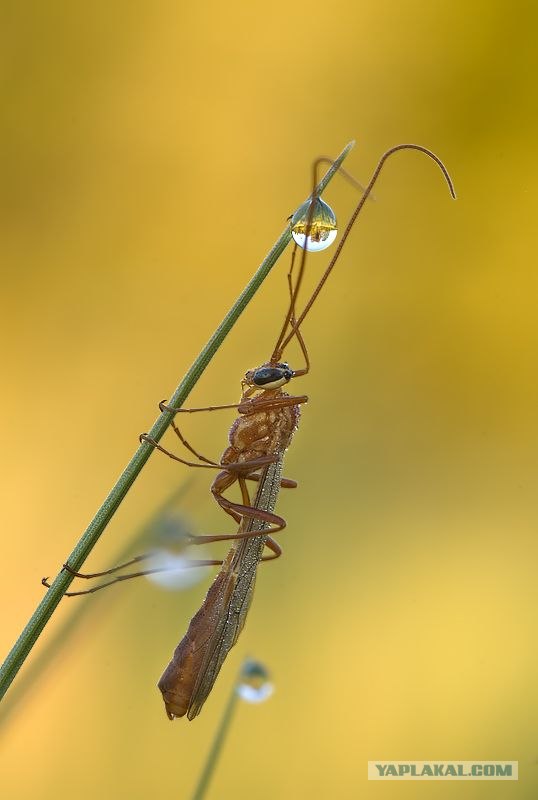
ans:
(151, 153)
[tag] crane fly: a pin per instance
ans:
(258, 440)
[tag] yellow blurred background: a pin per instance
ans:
(151, 153)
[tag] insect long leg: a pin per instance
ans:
(117, 568)
(293, 320)
(259, 404)
(144, 437)
(239, 466)
(240, 512)
(285, 483)
(185, 443)
(203, 562)
(247, 512)
(188, 564)
(189, 447)
(203, 408)
(275, 549)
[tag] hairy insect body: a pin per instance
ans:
(262, 432)
(214, 629)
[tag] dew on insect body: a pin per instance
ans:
(322, 226)
(254, 685)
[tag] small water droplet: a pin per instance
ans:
(322, 226)
(254, 685)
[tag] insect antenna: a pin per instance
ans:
(285, 337)
(294, 289)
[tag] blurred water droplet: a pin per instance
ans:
(322, 226)
(254, 685)
(176, 572)
(173, 555)
(171, 532)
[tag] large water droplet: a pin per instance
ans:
(322, 226)
(254, 685)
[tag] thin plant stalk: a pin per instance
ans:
(253, 685)
(90, 537)
(216, 746)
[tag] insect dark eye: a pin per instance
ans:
(285, 371)
(270, 375)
